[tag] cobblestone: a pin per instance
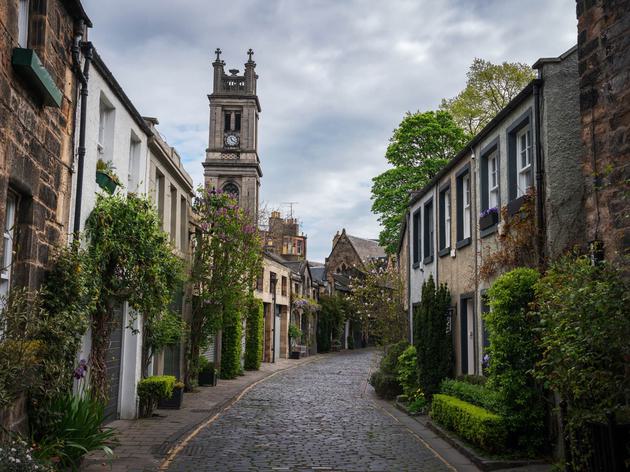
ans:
(319, 417)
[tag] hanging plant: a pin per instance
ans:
(106, 176)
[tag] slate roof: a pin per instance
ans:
(318, 273)
(367, 249)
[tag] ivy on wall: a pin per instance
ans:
(254, 334)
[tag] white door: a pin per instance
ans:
(471, 336)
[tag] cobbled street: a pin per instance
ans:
(319, 416)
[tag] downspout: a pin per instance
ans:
(474, 227)
(83, 76)
(540, 172)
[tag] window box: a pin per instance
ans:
(173, 403)
(207, 377)
(515, 205)
(488, 218)
(30, 67)
(106, 182)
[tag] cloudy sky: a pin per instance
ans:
(336, 77)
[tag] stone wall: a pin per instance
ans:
(604, 69)
(36, 141)
(342, 254)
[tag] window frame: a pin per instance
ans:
(23, 23)
(462, 238)
(526, 170)
(445, 216)
(428, 232)
(415, 229)
(522, 121)
(9, 235)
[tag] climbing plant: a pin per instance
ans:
(334, 311)
(132, 261)
(226, 259)
(254, 334)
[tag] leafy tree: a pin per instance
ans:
(330, 321)
(433, 341)
(489, 88)
(421, 145)
(226, 259)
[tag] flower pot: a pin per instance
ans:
(486, 221)
(207, 377)
(173, 403)
(106, 182)
(294, 355)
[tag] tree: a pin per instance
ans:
(226, 259)
(421, 145)
(489, 88)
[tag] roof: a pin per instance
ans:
(318, 273)
(342, 282)
(546, 60)
(367, 249)
(75, 8)
(295, 266)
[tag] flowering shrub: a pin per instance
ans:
(308, 305)
(17, 456)
(489, 211)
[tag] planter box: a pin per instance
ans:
(106, 182)
(173, 403)
(207, 377)
(488, 220)
(295, 355)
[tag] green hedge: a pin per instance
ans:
(472, 393)
(385, 385)
(471, 422)
(254, 335)
(151, 389)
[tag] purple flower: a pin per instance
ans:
(489, 211)
(81, 369)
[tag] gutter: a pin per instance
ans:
(79, 46)
(540, 172)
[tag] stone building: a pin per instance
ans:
(232, 163)
(38, 95)
(604, 88)
(523, 165)
(283, 237)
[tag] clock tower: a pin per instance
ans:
(232, 162)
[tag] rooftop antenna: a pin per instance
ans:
(290, 207)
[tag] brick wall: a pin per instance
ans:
(36, 141)
(604, 69)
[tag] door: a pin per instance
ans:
(467, 336)
(276, 333)
(112, 361)
(470, 313)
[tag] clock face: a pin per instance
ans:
(231, 140)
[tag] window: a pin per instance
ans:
(524, 160)
(463, 206)
(237, 121)
(23, 23)
(133, 172)
(232, 189)
(7, 248)
(105, 142)
(428, 232)
(493, 180)
(183, 223)
(173, 214)
(231, 121)
(227, 122)
(466, 195)
(445, 218)
(284, 286)
(259, 280)
(416, 237)
(272, 275)
(159, 193)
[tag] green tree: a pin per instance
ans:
(489, 88)
(421, 145)
(254, 334)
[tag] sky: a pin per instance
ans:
(335, 79)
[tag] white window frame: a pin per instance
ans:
(447, 218)
(133, 168)
(466, 195)
(493, 180)
(8, 236)
(23, 9)
(524, 160)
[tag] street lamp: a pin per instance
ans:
(273, 279)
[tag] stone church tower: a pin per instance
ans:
(232, 162)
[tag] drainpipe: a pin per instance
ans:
(474, 228)
(78, 47)
(273, 280)
(540, 172)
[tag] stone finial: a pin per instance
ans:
(218, 53)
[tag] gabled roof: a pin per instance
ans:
(318, 272)
(367, 249)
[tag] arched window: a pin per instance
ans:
(232, 189)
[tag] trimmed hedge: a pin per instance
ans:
(151, 389)
(472, 393)
(254, 335)
(471, 422)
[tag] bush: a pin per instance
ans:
(513, 354)
(473, 379)
(151, 389)
(472, 393)
(231, 339)
(389, 362)
(385, 385)
(407, 372)
(74, 430)
(583, 310)
(254, 335)
(473, 423)
(16, 455)
(432, 338)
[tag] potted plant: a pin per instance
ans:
(207, 373)
(295, 333)
(106, 178)
(488, 218)
(175, 402)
